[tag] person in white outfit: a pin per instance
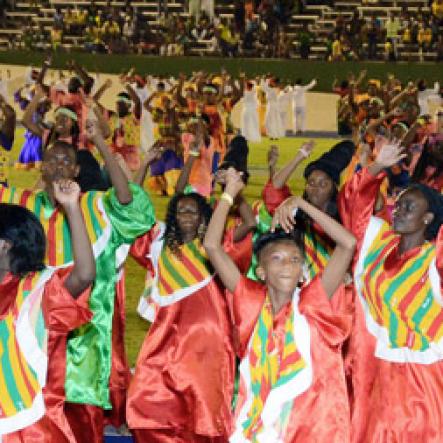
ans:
(427, 97)
(144, 91)
(299, 103)
(250, 125)
(285, 107)
(273, 123)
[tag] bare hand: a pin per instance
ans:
(284, 215)
(67, 193)
(154, 153)
(390, 154)
(93, 131)
(307, 148)
(273, 155)
(234, 182)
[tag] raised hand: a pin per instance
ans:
(390, 154)
(67, 193)
(284, 214)
(92, 130)
(154, 153)
(273, 155)
(307, 148)
(234, 182)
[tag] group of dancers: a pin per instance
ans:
(310, 318)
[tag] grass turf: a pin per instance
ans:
(135, 326)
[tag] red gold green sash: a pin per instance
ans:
(59, 250)
(402, 302)
(187, 269)
(20, 383)
(270, 365)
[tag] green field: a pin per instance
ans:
(135, 326)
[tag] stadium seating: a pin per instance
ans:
(319, 18)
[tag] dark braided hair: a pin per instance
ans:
(21, 227)
(75, 132)
(173, 236)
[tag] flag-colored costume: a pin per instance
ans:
(292, 386)
(396, 342)
(112, 227)
(125, 139)
(184, 379)
(36, 315)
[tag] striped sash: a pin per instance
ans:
(317, 253)
(401, 305)
(272, 364)
(23, 358)
(187, 269)
(55, 225)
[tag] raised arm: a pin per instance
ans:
(135, 98)
(103, 88)
(7, 127)
(248, 223)
(118, 178)
(153, 154)
(345, 242)
(280, 178)
(67, 194)
(27, 119)
(223, 264)
(310, 85)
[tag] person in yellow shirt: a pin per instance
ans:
(56, 38)
(437, 10)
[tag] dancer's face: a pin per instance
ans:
(319, 189)
(280, 265)
(188, 217)
(411, 213)
(59, 163)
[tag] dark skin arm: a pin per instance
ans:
(82, 275)
(248, 218)
(135, 100)
(118, 178)
(8, 125)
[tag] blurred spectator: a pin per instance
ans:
(392, 27)
(239, 15)
(372, 36)
(228, 39)
(305, 39)
(56, 38)
(439, 48)
(58, 18)
(437, 10)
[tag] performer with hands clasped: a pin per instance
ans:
(296, 392)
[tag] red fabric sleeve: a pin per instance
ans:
(245, 304)
(240, 252)
(356, 201)
(62, 312)
(334, 326)
(273, 197)
(439, 253)
(142, 247)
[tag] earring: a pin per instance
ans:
(201, 231)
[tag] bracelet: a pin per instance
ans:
(227, 198)
(303, 153)
(194, 153)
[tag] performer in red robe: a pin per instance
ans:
(395, 347)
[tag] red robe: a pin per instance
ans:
(319, 409)
(62, 314)
(397, 389)
(182, 388)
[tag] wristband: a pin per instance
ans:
(303, 153)
(194, 153)
(227, 198)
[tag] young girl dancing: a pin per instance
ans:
(292, 387)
